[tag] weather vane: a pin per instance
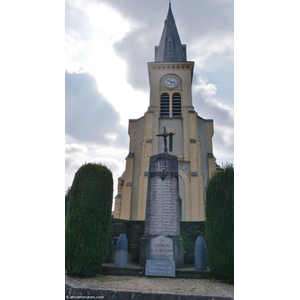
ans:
(164, 135)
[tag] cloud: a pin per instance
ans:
(76, 154)
(219, 70)
(206, 102)
(207, 90)
(223, 143)
(110, 39)
(90, 117)
(208, 45)
(135, 51)
(208, 106)
(207, 30)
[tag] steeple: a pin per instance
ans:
(170, 48)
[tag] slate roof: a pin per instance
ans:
(170, 35)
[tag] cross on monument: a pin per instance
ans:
(164, 135)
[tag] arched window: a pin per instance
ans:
(164, 105)
(176, 105)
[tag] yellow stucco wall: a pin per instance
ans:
(192, 179)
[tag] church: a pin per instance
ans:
(190, 136)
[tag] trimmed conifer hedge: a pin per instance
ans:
(219, 225)
(88, 220)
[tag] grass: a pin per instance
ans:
(102, 279)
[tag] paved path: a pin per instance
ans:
(142, 287)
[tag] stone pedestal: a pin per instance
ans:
(161, 239)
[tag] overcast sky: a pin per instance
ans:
(108, 45)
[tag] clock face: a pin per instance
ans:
(171, 82)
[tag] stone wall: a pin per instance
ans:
(134, 231)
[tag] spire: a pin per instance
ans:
(170, 48)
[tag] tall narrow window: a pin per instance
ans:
(176, 105)
(164, 105)
(170, 142)
(170, 45)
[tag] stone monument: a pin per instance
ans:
(161, 239)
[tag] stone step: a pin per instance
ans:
(188, 271)
(75, 290)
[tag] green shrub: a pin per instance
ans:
(219, 225)
(88, 220)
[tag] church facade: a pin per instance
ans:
(171, 107)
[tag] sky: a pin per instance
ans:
(107, 47)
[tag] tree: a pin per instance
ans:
(88, 220)
(219, 225)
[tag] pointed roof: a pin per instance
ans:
(170, 48)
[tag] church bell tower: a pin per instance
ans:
(170, 79)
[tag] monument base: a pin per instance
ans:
(157, 247)
(163, 268)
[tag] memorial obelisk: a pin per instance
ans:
(161, 239)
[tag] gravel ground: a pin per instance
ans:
(160, 284)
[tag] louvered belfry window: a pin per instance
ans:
(176, 105)
(164, 105)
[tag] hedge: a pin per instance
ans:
(219, 225)
(88, 220)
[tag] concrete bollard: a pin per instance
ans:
(200, 254)
(121, 253)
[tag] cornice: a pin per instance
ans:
(170, 65)
(162, 66)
